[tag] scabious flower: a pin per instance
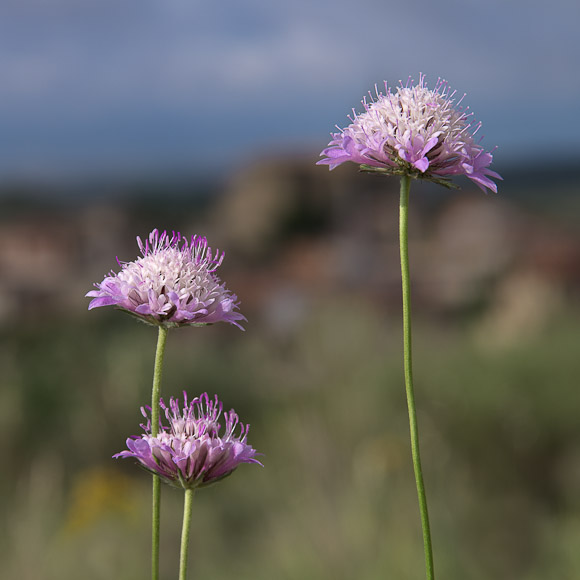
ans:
(414, 131)
(172, 284)
(190, 452)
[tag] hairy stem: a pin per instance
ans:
(404, 245)
(156, 500)
(185, 534)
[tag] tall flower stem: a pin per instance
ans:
(408, 364)
(156, 501)
(185, 534)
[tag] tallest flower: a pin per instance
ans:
(415, 131)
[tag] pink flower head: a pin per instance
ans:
(191, 452)
(417, 132)
(172, 284)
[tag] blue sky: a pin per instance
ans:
(117, 86)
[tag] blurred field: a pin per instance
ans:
(320, 381)
(501, 445)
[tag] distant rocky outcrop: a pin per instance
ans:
(295, 233)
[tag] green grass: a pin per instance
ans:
(336, 498)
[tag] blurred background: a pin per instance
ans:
(118, 117)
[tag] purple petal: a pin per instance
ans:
(422, 165)
(102, 301)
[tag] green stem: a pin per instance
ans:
(404, 244)
(156, 501)
(185, 534)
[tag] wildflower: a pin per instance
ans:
(416, 132)
(191, 453)
(172, 284)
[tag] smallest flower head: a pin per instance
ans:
(191, 452)
(415, 131)
(172, 284)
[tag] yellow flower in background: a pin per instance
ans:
(97, 494)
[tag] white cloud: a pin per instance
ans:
(105, 50)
